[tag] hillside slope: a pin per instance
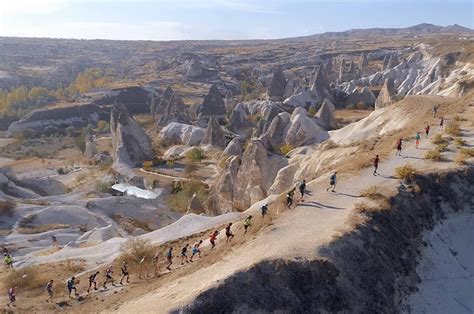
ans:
(297, 234)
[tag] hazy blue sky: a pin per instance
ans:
(218, 19)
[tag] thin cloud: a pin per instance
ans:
(25, 7)
(21, 7)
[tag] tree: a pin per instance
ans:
(103, 126)
(88, 80)
(81, 143)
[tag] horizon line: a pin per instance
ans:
(248, 39)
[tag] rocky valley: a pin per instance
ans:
(113, 152)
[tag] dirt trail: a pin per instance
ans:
(295, 234)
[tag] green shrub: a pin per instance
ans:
(285, 148)
(70, 131)
(103, 126)
(196, 154)
(81, 143)
(105, 166)
(102, 186)
(61, 171)
(148, 165)
(25, 134)
(312, 111)
(180, 200)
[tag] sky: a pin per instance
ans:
(219, 19)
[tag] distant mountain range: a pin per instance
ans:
(420, 29)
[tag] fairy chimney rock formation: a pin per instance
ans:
(276, 89)
(212, 105)
(131, 145)
(238, 119)
(174, 109)
(214, 134)
(326, 116)
(386, 95)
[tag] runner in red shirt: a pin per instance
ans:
(213, 238)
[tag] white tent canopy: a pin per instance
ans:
(133, 190)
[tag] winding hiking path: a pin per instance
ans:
(296, 233)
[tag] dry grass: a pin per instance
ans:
(406, 172)
(135, 249)
(329, 144)
(438, 139)
(434, 154)
(139, 252)
(25, 229)
(442, 147)
(453, 128)
(373, 193)
(346, 116)
(468, 152)
(27, 220)
(459, 118)
(105, 166)
(36, 202)
(459, 142)
(364, 208)
(27, 278)
(460, 159)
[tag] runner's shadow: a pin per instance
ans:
(345, 194)
(387, 177)
(319, 205)
(413, 157)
